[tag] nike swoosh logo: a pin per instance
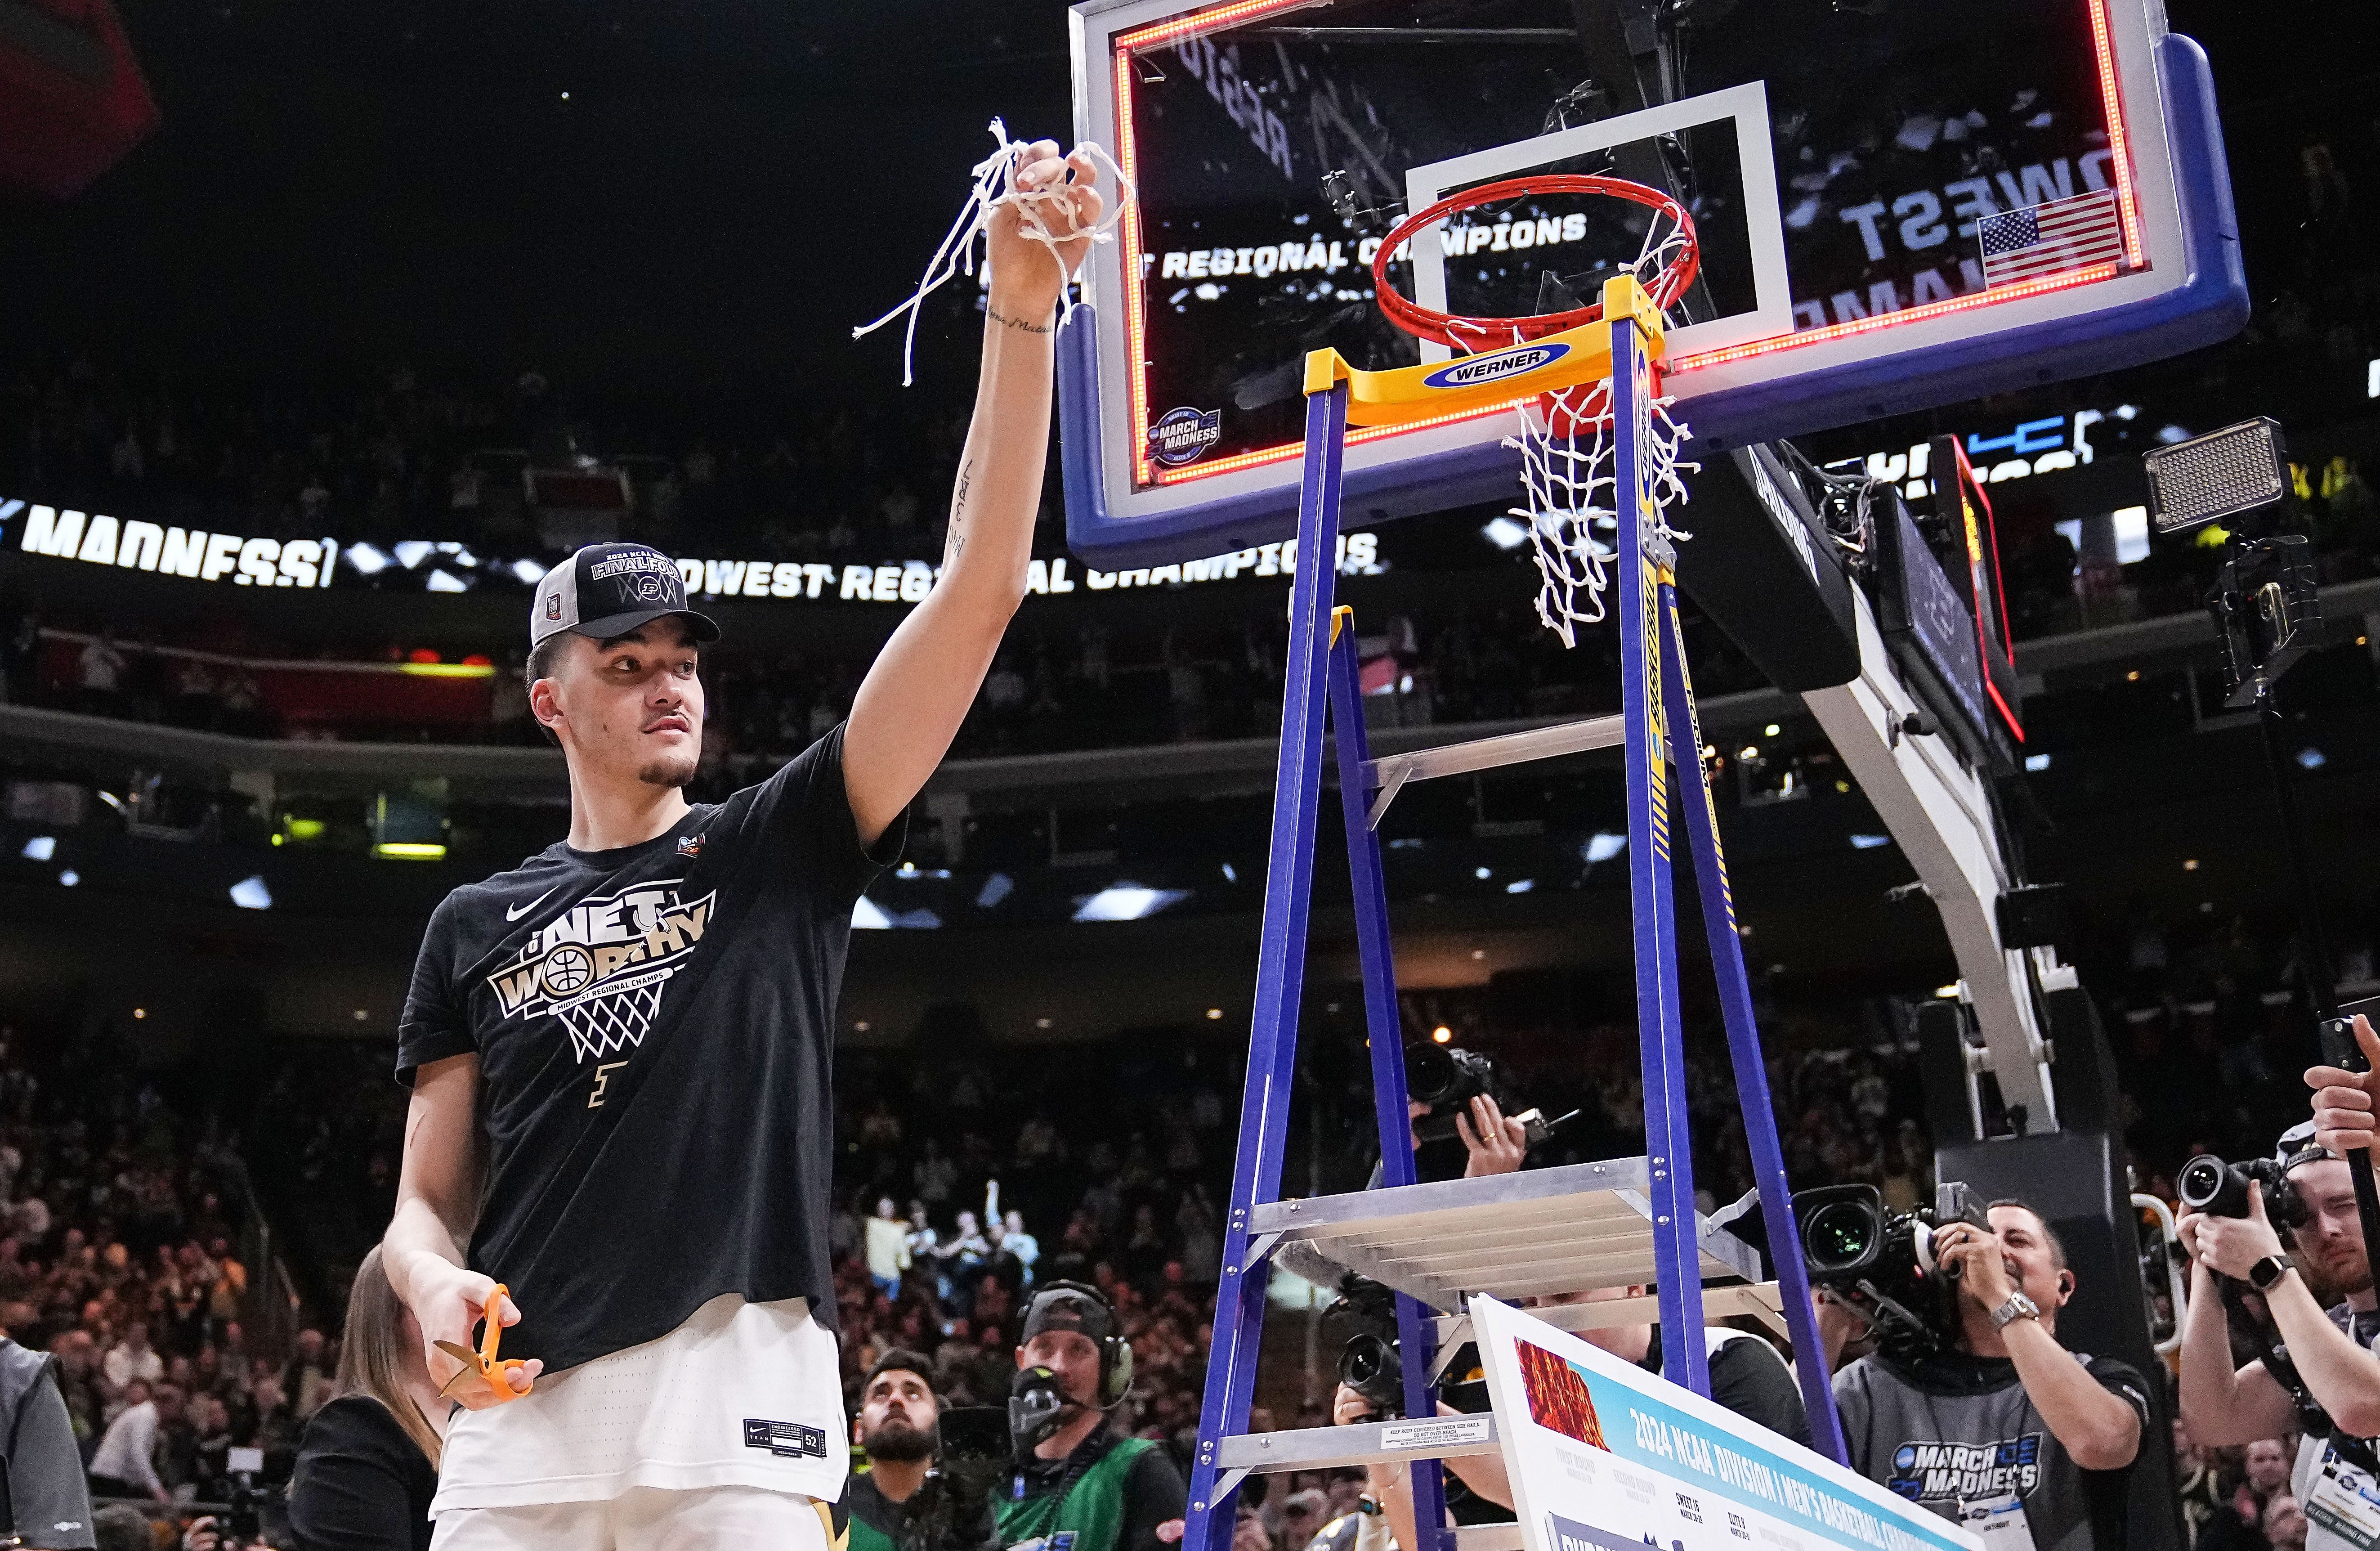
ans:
(511, 914)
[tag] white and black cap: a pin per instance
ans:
(2298, 1146)
(607, 589)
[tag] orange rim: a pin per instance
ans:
(1458, 332)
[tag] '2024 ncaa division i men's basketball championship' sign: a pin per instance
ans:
(1605, 1457)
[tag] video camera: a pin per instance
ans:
(1882, 1263)
(2220, 1190)
(1447, 1077)
(955, 1504)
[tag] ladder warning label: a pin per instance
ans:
(1436, 1435)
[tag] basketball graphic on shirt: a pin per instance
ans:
(603, 966)
(568, 969)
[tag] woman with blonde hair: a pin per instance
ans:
(367, 1465)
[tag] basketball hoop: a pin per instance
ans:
(1669, 247)
(1568, 472)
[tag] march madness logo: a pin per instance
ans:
(1929, 1471)
(1182, 436)
(602, 966)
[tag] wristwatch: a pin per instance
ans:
(2017, 1307)
(2267, 1271)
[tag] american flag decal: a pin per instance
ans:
(2053, 239)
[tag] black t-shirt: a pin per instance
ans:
(360, 1484)
(1750, 1379)
(655, 1033)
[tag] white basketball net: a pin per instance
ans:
(995, 185)
(1569, 478)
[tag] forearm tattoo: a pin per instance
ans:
(998, 317)
(958, 509)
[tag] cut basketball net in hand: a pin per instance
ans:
(1046, 216)
(1570, 501)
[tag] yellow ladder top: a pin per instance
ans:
(1404, 394)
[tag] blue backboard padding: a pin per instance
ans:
(2209, 305)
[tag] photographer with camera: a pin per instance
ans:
(1456, 1093)
(1453, 1094)
(1078, 1471)
(2316, 1371)
(902, 1502)
(1998, 1426)
(2317, 1374)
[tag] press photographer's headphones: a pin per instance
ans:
(1115, 1352)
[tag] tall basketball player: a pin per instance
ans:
(620, 1050)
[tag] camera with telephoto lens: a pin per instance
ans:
(1447, 1077)
(1883, 1264)
(1371, 1363)
(2220, 1190)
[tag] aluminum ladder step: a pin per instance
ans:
(1544, 1231)
(1388, 774)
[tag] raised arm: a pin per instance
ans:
(2223, 1407)
(2344, 1377)
(911, 703)
(437, 1205)
(2098, 1428)
(2344, 1116)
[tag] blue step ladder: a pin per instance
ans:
(1585, 1225)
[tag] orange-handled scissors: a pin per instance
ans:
(483, 1362)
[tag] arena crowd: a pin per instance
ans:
(126, 1193)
